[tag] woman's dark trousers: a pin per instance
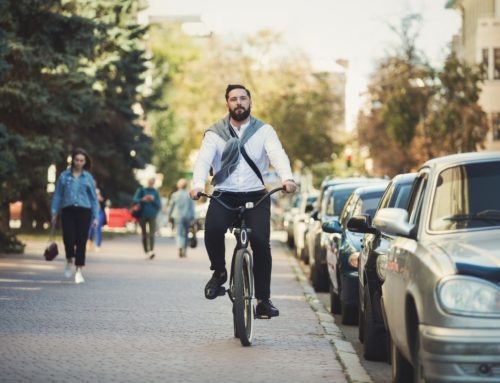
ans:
(148, 228)
(218, 220)
(75, 226)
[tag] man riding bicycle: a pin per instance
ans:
(239, 149)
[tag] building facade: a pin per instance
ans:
(479, 43)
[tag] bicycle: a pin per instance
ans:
(241, 281)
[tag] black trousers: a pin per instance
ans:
(219, 219)
(75, 226)
(148, 228)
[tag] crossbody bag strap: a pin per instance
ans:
(247, 157)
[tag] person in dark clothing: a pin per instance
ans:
(149, 198)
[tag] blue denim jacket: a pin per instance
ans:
(75, 191)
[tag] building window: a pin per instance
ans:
(496, 64)
(485, 61)
(495, 126)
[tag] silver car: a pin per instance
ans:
(441, 289)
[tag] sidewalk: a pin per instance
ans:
(148, 321)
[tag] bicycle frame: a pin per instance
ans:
(241, 282)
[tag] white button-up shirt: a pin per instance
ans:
(263, 147)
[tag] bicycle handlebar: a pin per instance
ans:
(239, 208)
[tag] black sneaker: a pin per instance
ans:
(266, 310)
(212, 288)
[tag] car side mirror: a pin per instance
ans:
(332, 227)
(315, 214)
(309, 208)
(393, 221)
(361, 224)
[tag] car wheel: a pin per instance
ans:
(335, 307)
(349, 314)
(418, 372)
(319, 278)
(303, 256)
(361, 319)
(374, 347)
(402, 371)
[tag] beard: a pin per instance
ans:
(240, 113)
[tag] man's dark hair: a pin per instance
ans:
(231, 87)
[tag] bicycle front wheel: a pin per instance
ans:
(243, 309)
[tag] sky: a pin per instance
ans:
(327, 30)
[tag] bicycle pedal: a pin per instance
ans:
(222, 291)
(262, 317)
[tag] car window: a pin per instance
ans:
(384, 202)
(417, 199)
(370, 205)
(347, 208)
(337, 201)
(467, 196)
(401, 196)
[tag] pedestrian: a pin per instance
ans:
(76, 200)
(95, 233)
(181, 210)
(149, 199)
(239, 149)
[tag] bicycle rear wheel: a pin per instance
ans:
(243, 309)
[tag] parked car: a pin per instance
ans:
(333, 203)
(288, 219)
(441, 290)
(344, 262)
(371, 328)
(299, 222)
(313, 253)
(120, 218)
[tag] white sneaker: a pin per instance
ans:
(68, 270)
(79, 277)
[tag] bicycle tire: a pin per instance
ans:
(243, 296)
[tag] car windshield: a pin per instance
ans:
(467, 196)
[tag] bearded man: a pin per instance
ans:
(239, 149)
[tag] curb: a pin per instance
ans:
(346, 354)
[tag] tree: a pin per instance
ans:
(456, 123)
(172, 52)
(285, 94)
(70, 76)
(43, 93)
(398, 94)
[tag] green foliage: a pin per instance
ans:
(299, 105)
(456, 122)
(70, 76)
(172, 52)
(417, 112)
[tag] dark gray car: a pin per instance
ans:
(441, 293)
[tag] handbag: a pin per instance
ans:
(136, 208)
(51, 250)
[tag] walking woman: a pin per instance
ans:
(149, 198)
(76, 200)
(181, 210)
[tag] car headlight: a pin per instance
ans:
(382, 266)
(469, 296)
